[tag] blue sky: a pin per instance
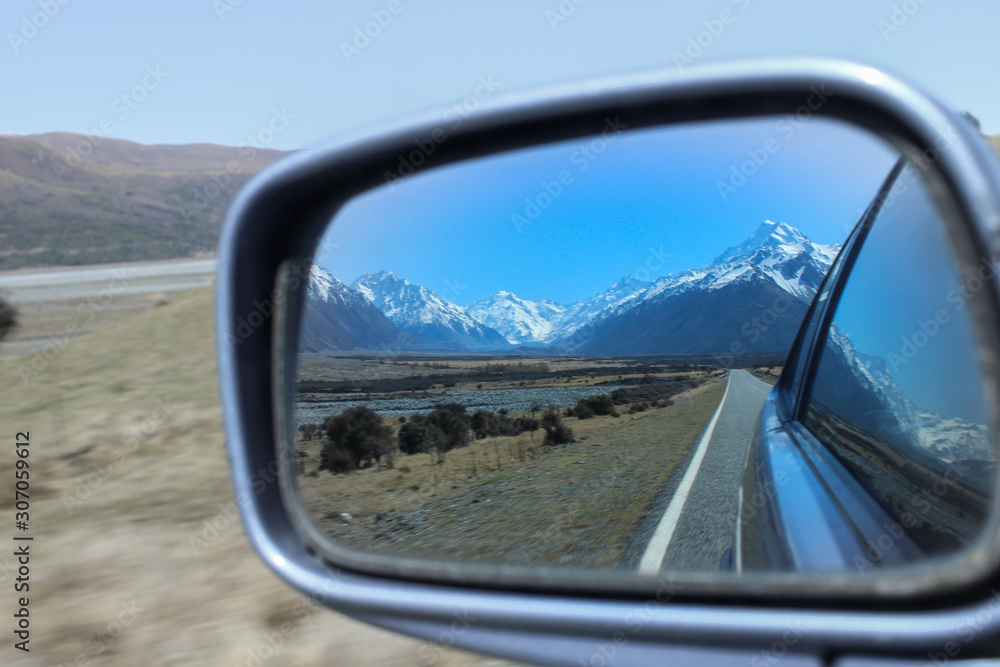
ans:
(907, 275)
(646, 203)
(229, 63)
(223, 67)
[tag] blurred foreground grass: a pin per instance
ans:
(128, 464)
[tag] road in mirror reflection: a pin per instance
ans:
(514, 360)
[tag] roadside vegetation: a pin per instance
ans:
(766, 373)
(127, 445)
(550, 485)
(472, 483)
(358, 438)
(8, 318)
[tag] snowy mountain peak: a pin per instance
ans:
(338, 318)
(321, 282)
(627, 284)
(425, 315)
(518, 320)
(324, 287)
(769, 235)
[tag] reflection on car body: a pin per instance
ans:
(901, 469)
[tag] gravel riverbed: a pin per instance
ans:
(399, 405)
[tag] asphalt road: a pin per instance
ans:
(700, 519)
(88, 298)
(85, 282)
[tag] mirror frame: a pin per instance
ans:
(270, 233)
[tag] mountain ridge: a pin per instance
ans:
(69, 199)
(421, 313)
(337, 317)
(763, 286)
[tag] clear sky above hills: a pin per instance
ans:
(224, 66)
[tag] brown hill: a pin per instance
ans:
(71, 199)
(157, 157)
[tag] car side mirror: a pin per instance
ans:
(486, 364)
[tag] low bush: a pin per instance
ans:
(595, 405)
(526, 424)
(441, 430)
(360, 432)
(448, 426)
(335, 458)
(487, 424)
(649, 393)
(412, 436)
(556, 432)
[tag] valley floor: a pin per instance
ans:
(513, 500)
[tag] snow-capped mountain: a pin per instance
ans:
(866, 390)
(776, 251)
(617, 297)
(752, 296)
(774, 265)
(518, 320)
(899, 449)
(421, 313)
(541, 322)
(770, 235)
(339, 318)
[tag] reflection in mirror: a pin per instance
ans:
(518, 359)
(899, 398)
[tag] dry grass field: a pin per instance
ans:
(128, 472)
(494, 500)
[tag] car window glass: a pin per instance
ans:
(897, 395)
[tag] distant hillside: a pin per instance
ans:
(995, 140)
(66, 201)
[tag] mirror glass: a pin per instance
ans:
(897, 395)
(514, 360)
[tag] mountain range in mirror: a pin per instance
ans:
(751, 298)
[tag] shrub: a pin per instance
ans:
(556, 433)
(8, 318)
(336, 459)
(649, 393)
(448, 426)
(361, 433)
(526, 424)
(483, 423)
(412, 436)
(486, 424)
(594, 405)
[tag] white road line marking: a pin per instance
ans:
(738, 540)
(656, 550)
